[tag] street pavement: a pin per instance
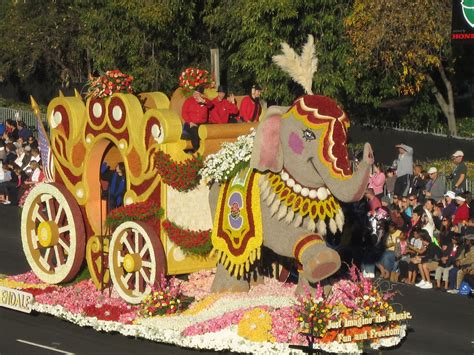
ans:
(442, 323)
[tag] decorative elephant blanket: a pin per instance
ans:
(237, 235)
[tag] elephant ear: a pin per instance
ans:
(267, 152)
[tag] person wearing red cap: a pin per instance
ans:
(250, 108)
(195, 112)
(459, 173)
(223, 107)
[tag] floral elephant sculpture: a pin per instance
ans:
(286, 200)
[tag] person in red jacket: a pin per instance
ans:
(250, 108)
(462, 213)
(223, 107)
(195, 112)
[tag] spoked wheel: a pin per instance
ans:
(136, 260)
(52, 233)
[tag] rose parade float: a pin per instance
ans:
(251, 191)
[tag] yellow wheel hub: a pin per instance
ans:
(48, 234)
(132, 262)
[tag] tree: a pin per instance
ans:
(153, 40)
(249, 33)
(38, 38)
(408, 38)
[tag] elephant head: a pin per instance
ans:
(306, 145)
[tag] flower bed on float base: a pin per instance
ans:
(266, 320)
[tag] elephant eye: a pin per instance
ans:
(308, 135)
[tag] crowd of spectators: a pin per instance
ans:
(20, 162)
(423, 228)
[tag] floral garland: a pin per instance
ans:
(165, 299)
(229, 160)
(262, 321)
(148, 211)
(191, 242)
(191, 78)
(109, 83)
(180, 176)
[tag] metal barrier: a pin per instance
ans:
(22, 115)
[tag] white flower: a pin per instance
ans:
(219, 166)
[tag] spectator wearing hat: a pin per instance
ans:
(450, 205)
(462, 213)
(223, 107)
(434, 187)
(251, 108)
(460, 172)
(404, 165)
(195, 112)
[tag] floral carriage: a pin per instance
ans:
(63, 221)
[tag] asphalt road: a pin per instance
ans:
(441, 324)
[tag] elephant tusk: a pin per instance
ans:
(265, 192)
(339, 221)
(322, 227)
(282, 211)
(311, 226)
(298, 220)
(274, 207)
(332, 226)
(270, 199)
(289, 217)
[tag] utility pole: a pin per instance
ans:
(215, 70)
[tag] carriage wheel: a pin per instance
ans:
(136, 260)
(52, 233)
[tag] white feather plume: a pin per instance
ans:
(302, 67)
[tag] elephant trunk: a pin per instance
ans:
(352, 189)
(316, 260)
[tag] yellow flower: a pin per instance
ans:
(256, 325)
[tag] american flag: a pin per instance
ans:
(45, 152)
(43, 145)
